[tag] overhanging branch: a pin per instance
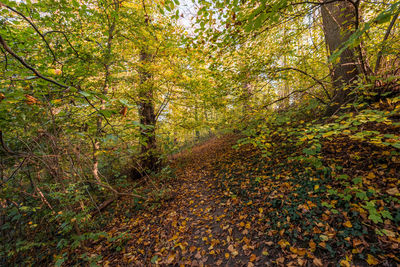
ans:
(26, 65)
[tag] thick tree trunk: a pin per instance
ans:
(148, 150)
(339, 23)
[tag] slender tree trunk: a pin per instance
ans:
(148, 150)
(285, 89)
(107, 63)
(339, 23)
(246, 94)
(206, 118)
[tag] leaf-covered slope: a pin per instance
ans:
(236, 207)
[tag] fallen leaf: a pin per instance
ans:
(393, 191)
(371, 260)
(283, 243)
(312, 245)
(347, 224)
(317, 262)
(280, 260)
(300, 261)
(344, 263)
(170, 259)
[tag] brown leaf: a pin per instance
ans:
(30, 100)
(317, 262)
(198, 255)
(123, 111)
(393, 191)
(280, 260)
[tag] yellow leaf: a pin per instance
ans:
(316, 187)
(371, 175)
(248, 226)
(283, 243)
(312, 245)
(348, 224)
(301, 251)
(170, 259)
(371, 260)
(344, 263)
(324, 237)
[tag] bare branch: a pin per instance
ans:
(309, 75)
(4, 146)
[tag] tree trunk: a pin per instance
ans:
(148, 150)
(339, 23)
(107, 64)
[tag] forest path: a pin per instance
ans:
(201, 224)
(235, 207)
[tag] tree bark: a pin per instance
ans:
(339, 21)
(148, 149)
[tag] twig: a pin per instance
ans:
(4, 146)
(66, 38)
(14, 172)
(309, 75)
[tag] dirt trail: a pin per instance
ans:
(199, 225)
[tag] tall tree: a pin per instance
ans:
(340, 19)
(146, 104)
(149, 159)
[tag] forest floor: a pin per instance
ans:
(232, 207)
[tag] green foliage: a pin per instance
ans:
(75, 77)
